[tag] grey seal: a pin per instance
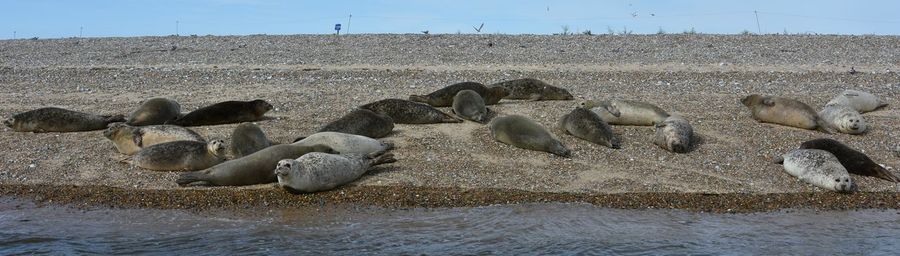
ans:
(315, 172)
(842, 118)
(362, 122)
(626, 112)
(674, 134)
(409, 112)
(444, 96)
(181, 155)
(52, 119)
(252, 169)
(248, 138)
(533, 89)
(817, 167)
(854, 161)
(155, 111)
(587, 125)
(227, 112)
(783, 111)
(521, 132)
(470, 106)
(858, 100)
(129, 139)
(345, 143)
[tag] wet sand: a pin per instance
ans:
(314, 79)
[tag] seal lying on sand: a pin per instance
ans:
(587, 125)
(256, 168)
(783, 111)
(345, 143)
(521, 132)
(248, 138)
(129, 139)
(674, 134)
(817, 167)
(842, 118)
(52, 119)
(181, 155)
(316, 172)
(444, 96)
(626, 112)
(155, 111)
(227, 112)
(362, 122)
(470, 106)
(533, 89)
(858, 100)
(408, 112)
(854, 161)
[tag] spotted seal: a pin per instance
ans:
(256, 168)
(315, 172)
(674, 134)
(409, 112)
(129, 139)
(533, 89)
(470, 106)
(858, 100)
(362, 122)
(817, 167)
(626, 112)
(345, 143)
(444, 96)
(181, 155)
(842, 118)
(854, 161)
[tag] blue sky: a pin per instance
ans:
(102, 18)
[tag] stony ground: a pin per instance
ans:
(314, 79)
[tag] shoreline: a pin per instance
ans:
(224, 198)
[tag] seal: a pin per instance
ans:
(155, 111)
(817, 167)
(181, 155)
(362, 122)
(315, 172)
(854, 161)
(674, 134)
(626, 112)
(129, 139)
(587, 125)
(345, 143)
(51, 119)
(533, 89)
(468, 105)
(783, 111)
(409, 112)
(521, 132)
(227, 112)
(858, 100)
(246, 139)
(842, 118)
(444, 96)
(256, 168)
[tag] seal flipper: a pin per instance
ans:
(882, 173)
(190, 178)
(113, 118)
(420, 98)
(778, 160)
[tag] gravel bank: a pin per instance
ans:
(314, 79)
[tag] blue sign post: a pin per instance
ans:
(337, 27)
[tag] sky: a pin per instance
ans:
(115, 18)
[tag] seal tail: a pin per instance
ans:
(189, 178)
(420, 98)
(451, 119)
(882, 173)
(299, 139)
(114, 118)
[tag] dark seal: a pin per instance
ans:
(409, 112)
(854, 161)
(227, 112)
(444, 96)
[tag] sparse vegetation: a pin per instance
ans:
(746, 32)
(565, 29)
(691, 32)
(625, 31)
(610, 31)
(587, 32)
(660, 31)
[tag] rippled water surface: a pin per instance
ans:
(508, 229)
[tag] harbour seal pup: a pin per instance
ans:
(408, 112)
(626, 112)
(181, 155)
(587, 125)
(783, 111)
(674, 134)
(51, 119)
(817, 167)
(842, 118)
(444, 96)
(521, 132)
(155, 111)
(362, 122)
(227, 112)
(470, 106)
(345, 143)
(246, 139)
(315, 172)
(858, 100)
(252, 169)
(533, 89)
(129, 139)
(854, 161)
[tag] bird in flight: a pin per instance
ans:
(478, 29)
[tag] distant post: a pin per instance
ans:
(337, 27)
(176, 28)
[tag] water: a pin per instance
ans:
(511, 229)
